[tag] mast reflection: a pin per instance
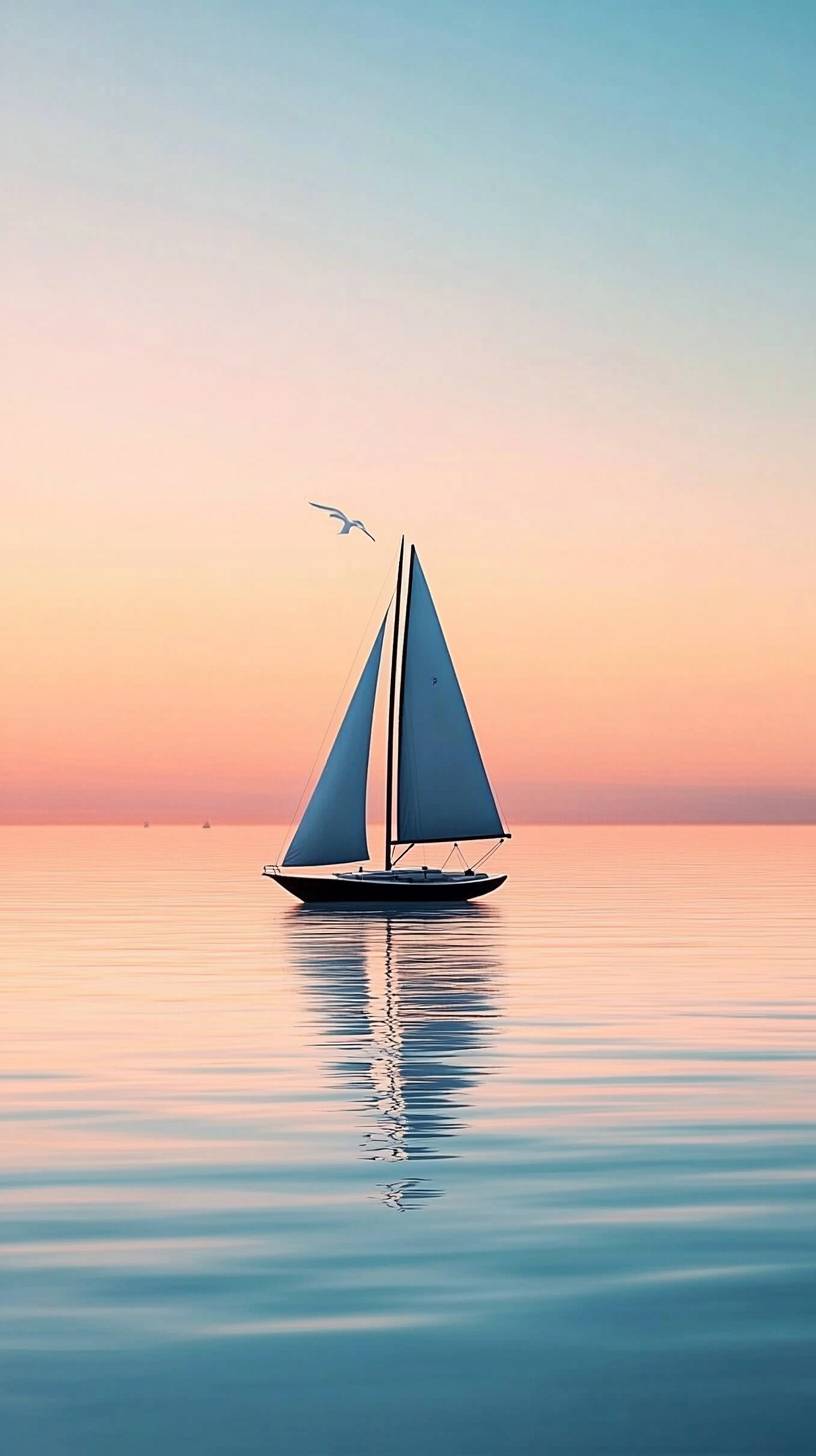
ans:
(405, 999)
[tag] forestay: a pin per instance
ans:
(333, 827)
(443, 790)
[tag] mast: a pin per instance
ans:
(392, 696)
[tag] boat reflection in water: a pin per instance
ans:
(405, 1001)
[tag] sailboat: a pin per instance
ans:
(440, 791)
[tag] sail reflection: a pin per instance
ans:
(405, 1000)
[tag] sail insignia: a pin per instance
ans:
(333, 827)
(443, 788)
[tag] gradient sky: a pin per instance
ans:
(533, 282)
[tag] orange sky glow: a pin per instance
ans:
(601, 455)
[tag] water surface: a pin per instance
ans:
(534, 1175)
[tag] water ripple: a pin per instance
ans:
(593, 1095)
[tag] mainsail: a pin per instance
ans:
(443, 789)
(333, 827)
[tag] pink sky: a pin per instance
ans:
(577, 383)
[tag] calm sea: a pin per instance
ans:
(533, 1176)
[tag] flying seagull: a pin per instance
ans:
(337, 515)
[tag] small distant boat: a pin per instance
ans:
(206, 824)
(442, 790)
(146, 824)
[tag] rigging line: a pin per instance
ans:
(372, 616)
(487, 853)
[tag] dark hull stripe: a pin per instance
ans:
(314, 889)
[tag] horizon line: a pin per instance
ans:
(629, 823)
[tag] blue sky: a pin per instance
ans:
(531, 279)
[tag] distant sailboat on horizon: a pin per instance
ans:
(442, 790)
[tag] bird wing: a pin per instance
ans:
(332, 510)
(364, 529)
